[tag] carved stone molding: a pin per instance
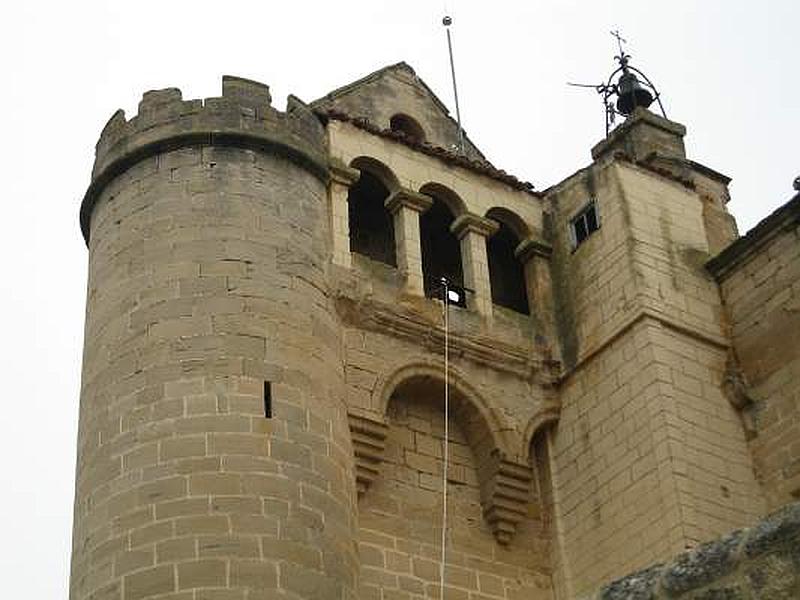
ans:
(505, 490)
(369, 442)
(533, 246)
(523, 361)
(343, 174)
(404, 197)
(470, 222)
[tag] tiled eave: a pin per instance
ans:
(442, 154)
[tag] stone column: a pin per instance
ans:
(406, 205)
(534, 254)
(342, 177)
(473, 231)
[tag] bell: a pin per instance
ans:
(631, 94)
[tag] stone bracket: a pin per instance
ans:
(506, 491)
(369, 442)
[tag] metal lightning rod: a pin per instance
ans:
(447, 21)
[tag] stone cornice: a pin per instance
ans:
(643, 314)
(408, 198)
(523, 362)
(449, 158)
(743, 249)
(640, 117)
(470, 222)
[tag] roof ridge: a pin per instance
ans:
(335, 93)
(332, 95)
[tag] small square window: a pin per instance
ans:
(584, 224)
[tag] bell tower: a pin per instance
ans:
(649, 458)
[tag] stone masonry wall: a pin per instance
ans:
(648, 456)
(760, 563)
(760, 282)
(208, 284)
(400, 518)
(395, 379)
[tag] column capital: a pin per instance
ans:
(532, 246)
(470, 222)
(408, 198)
(341, 173)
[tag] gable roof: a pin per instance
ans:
(375, 75)
(329, 100)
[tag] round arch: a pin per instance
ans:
(467, 399)
(378, 169)
(511, 220)
(547, 416)
(408, 126)
(450, 199)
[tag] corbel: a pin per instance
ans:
(506, 492)
(369, 443)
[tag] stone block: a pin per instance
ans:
(253, 574)
(175, 550)
(229, 546)
(149, 582)
(202, 573)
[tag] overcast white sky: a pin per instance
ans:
(728, 70)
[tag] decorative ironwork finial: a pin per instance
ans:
(625, 85)
(620, 40)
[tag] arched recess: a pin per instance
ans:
(487, 422)
(506, 271)
(407, 126)
(503, 481)
(441, 249)
(370, 223)
(538, 438)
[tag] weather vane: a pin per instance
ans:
(628, 90)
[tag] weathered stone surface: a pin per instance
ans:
(639, 586)
(755, 563)
(262, 409)
(780, 532)
(702, 565)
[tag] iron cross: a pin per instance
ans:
(620, 40)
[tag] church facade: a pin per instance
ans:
(262, 407)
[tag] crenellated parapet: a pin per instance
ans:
(242, 117)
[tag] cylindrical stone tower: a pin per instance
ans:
(213, 448)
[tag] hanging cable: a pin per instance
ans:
(446, 449)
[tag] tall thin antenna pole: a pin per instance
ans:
(447, 21)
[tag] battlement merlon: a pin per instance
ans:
(242, 117)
